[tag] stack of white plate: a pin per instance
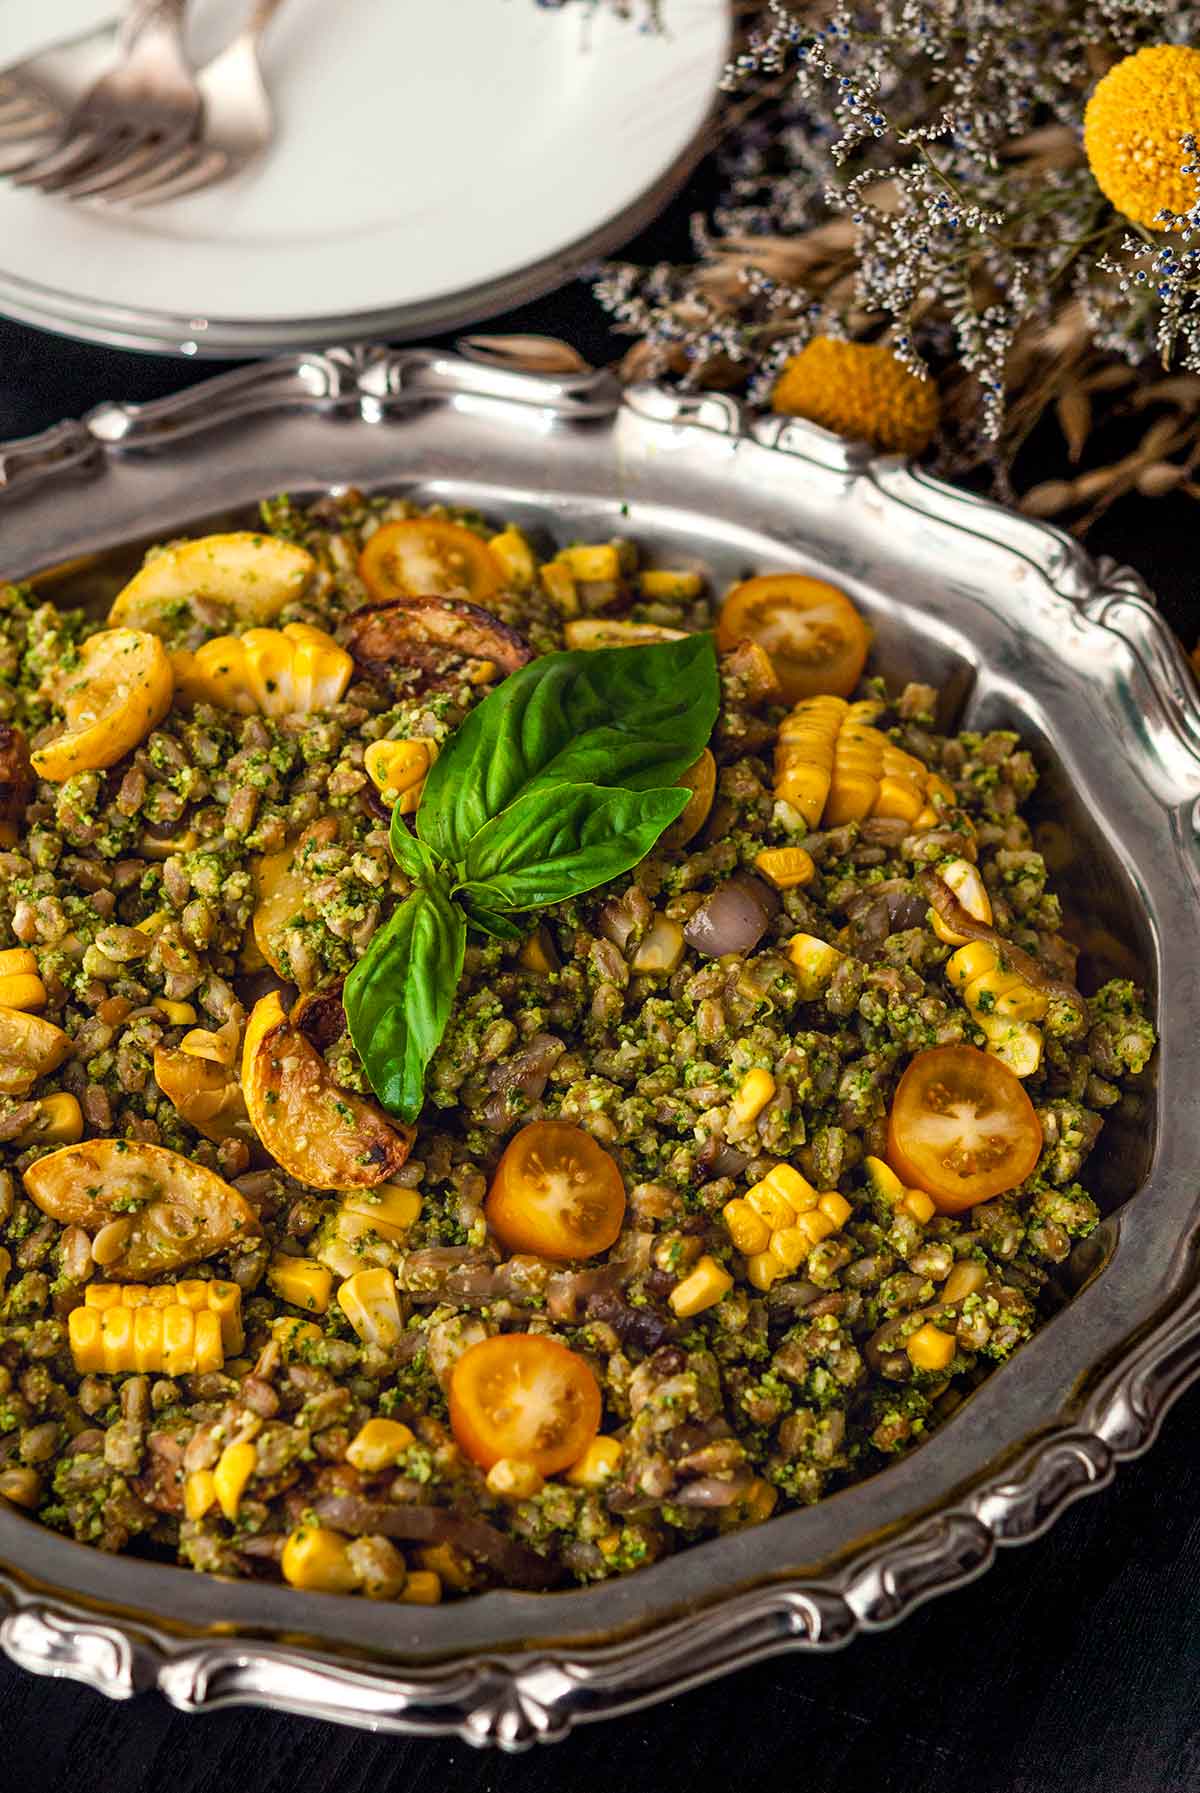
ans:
(437, 161)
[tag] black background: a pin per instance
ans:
(1073, 1664)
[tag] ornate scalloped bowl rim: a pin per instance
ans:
(514, 1698)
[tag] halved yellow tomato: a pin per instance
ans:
(118, 692)
(962, 1128)
(556, 1193)
(816, 639)
(420, 557)
(525, 1396)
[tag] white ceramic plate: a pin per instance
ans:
(436, 161)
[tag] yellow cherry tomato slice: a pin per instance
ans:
(120, 689)
(423, 557)
(556, 1193)
(815, 637)
(962, 1128)
(524, 1396)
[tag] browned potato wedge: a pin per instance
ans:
(179, 1212)
(29, 1048)
(429, 642)
(322, 1135)
(206, 1095)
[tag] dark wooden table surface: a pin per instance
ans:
(1073, 1665)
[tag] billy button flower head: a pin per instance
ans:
(1132, 133)
(861, 390)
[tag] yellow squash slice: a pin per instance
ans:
(234, 581)
(590, 632)
(179, 1212)
(120, 689)
(321, 1134)
(270, 672)
(206, 1095)
(29, 1048)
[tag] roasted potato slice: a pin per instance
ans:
(179, 1211)
(206, 1095)
(120, 689)
(423, 644)
(29, 1048)
(322, 1135)
(589, 632)
(236, 582)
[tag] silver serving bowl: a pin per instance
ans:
(1018, 627)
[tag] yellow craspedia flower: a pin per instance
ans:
(1132, 127)
(859, 389)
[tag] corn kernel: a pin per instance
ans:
(898, 797)
(559, 586)
(301, 1282)
(662, 582)
(377, 1444)
(199, 1493)
(598, 1464)
(289, 1334)
(773, 1207)
(235, 1466)
(815, 1226)
(225, 1300)
(147, 1340)
(762, 1269)
(83, 1333)
(511, 1479)
(748, 1231)
(785, 867)
(217, 1048)
(791, 1245)
(423, 1588)
(368, 1300)
(59, 1121)
(516, 558)
(102, 1294)
(967, 1278)
(24, 991)
(178, 1340)
(210, 1353)
(389, 1209)
(179, 1014)
(756, 1090)
(919, 1205)
(796, 1190)
(929, 1348)
(116, 1338)
(538, 953)
(316, 1558)
(815, 960)
(17, 961)
(452, 1568)
(835, 1207)
(706, 1285)
(592, 563)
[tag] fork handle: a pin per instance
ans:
(141, 14)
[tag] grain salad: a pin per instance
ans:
(511, 1062)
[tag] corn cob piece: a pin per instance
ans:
(834, 766)
(1001, 1003)
(275, 672)
(172, 1329)
(778, 1222)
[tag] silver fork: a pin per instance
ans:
(38, 94)
(238, 122)
(141, 112)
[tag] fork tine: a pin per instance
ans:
(160, 171)
(67, 157)
(210, 166)
(137, 158)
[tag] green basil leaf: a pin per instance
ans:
(399, 996)
(489, 921)
(410, 853)
(623, 718)
(550, 845)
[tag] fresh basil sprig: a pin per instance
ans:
(562, 779)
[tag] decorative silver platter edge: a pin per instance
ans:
(511, 1698)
